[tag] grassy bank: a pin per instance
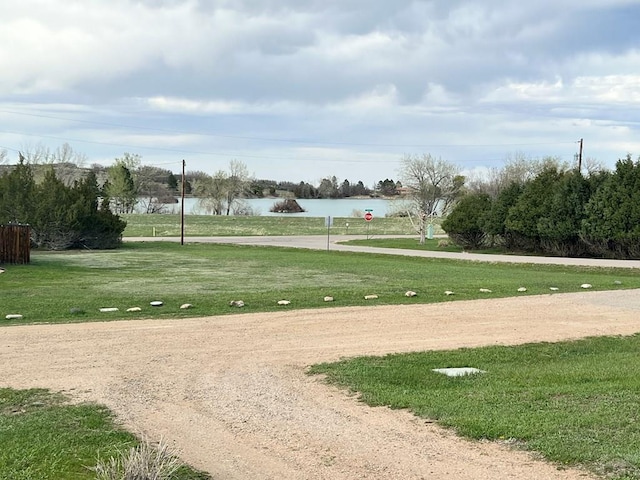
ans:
(575, 402)
(45, 438)
(142, 225)
(73, 286)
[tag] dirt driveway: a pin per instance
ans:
(231, 392)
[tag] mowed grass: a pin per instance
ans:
(73, 286)
(433, 244)
(169, 225)
(42, 437)
(574, 402)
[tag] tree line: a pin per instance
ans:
(61, 216)
(541, 206)
(554, 210)
(132, 186)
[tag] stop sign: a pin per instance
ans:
(368, 216)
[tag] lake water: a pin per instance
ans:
(341, 207)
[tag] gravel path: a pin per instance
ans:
(231, 392)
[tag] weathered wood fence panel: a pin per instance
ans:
(15, 244)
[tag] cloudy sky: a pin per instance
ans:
(300, 90)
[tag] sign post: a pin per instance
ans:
(328, 222)
(368, 216)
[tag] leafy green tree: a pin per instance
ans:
(359, 189)
(172, 182)
(495, 219)
(612, 221)
(465, 223)
(121, 188)
(17, 189)
(559, 227)
(53, 222)
(532, 205)
(60, 216)
(305, 190)
(345, 189)
(387, 187)
(98, 226)
(328, 188)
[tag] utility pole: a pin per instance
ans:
(580, 157)
(182, 209)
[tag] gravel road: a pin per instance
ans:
(231, 392)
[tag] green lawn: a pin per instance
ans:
(42, 437)
(434, 244)
(575, 402)
(73, 286)
(168, 225)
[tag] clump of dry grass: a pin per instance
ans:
(143, 462)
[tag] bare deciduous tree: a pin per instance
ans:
(211, 191)
(220, 194)
(237, 183)
(518, 169)
(36, 154)
(593, 166)
(433, 186)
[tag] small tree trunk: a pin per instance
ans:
(423, 229)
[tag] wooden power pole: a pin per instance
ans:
(182, 209)
(580, 157)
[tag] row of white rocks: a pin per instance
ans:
(155, 303)
(240, 303)
(411, 293)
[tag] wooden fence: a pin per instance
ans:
(15, 244)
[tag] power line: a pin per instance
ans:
(235, 154)
(283, 140)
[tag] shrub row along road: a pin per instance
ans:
(232, 395)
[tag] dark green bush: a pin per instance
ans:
(465, 224)
(60, 216)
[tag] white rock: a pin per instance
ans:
(617, 282)
(134, 309)
(485, 290)
(458, 371)
(109, 309)
(522, 289)
(448, 292)
(410, 293)
(586, 285)
(14, 316)
(328, 299)
(185, 306)
(370, 297)
(156, 303)
(236, 303)
(283, 302)
(554, 289)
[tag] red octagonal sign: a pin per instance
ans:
(368, 216)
